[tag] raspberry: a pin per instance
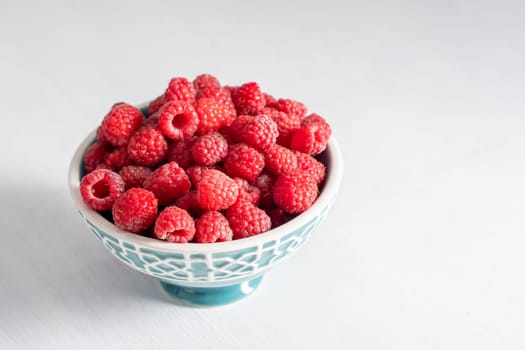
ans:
(212, 227)
(219, 94)
(204, 81)
(188, 201)
(232, 133)
(95, 155)
(216, 191)
(135, 211)
(178, 120)
(100, 135)
(121, 123)
(147, 147)
(279, 217)
(265, 182)
(295, 191)
(212, 115)
(209, 149)
(134, 175)
(155, 104)
(100, 188)
(117, 159)
(291, 107)
(279, 159)
(270, 100)
(260, 132)
(195, 173)
(180, 152)
(311, 166)
(313, 135)
(244, 161)
(248, 99)
(175, 225)
(168, 183)
(247, 192)
(247, 220)
(180, 89)
(286, 124)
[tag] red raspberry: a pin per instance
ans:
(313, 135)
(270, 100)
(244, 161)
(279, 159)
(291, 107)
(212, 115)
(248, 192)
(311, 166)
(180, 89)
(135, 211)
(100, 188)
(204, 81)
(212, 227)
(175, 225)
(279, 217)
(178, 120)
(195, 173)
(100, 135)
(265, 182)
(134, 175)
(117, 159)
(219, 94)
(152, 121)
(168, 183)
(209, 149)
(147, 147)
(247, 220)
(295, 191)
(103, 166)
(249, 99)
(216, 191)
(233, 132)
(95, 155)
(180, 152)
(121, 123)
(286, 124)
(155, 104)
(260, 132)
(188, 201)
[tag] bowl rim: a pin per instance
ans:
(329, 192)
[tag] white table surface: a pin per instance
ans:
(424, 248)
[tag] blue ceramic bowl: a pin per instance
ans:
(214, 273)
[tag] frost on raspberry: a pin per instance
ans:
(244, 161)
(121, 123)
(178, 120)
(135, 210)
(168, 182)
(216, 191)
(211, 227)
(295, 191)
(100, 188)
(175, 225)
(147, 147)
(180, 89)
(247, 220)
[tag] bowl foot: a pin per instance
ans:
(211, 296)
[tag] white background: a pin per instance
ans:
(424, 248)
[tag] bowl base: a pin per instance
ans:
(211, 296)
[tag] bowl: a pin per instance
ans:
(209, 274)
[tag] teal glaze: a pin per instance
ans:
(212, 296)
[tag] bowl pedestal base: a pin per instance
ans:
(211, 296)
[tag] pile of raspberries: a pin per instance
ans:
(205, 163)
